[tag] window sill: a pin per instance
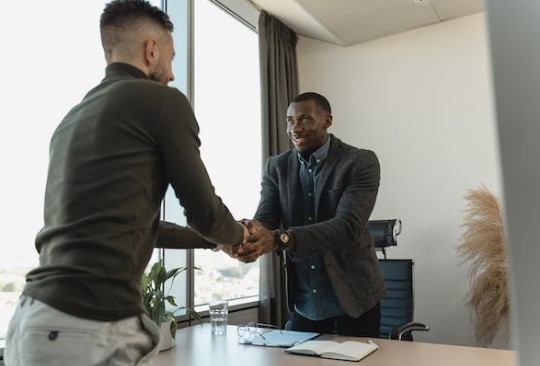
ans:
(235, 305)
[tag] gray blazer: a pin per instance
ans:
(344, 200)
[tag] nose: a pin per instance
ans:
(172, 77)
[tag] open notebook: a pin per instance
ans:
(279, 338)
(348, 350)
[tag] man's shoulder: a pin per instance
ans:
(351, 149)
(143, 93)
(135, 85)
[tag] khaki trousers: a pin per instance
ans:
(39, 334)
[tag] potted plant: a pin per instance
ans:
(155, 299)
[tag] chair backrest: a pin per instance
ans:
(397, 306)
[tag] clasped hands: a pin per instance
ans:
(258, 240)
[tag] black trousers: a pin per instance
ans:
(366, 325)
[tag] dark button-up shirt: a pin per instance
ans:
(316, 299)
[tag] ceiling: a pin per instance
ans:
(349, 22)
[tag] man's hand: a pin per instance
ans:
(232, 251)
(260, 241)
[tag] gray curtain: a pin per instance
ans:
(279, 85)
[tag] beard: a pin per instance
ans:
(160, 73)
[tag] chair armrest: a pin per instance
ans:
(400, 330)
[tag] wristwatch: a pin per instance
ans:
(282, 238)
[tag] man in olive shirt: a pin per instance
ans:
(111, 160)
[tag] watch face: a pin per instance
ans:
(284, 237)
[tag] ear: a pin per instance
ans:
(151, 52)
(328, 121)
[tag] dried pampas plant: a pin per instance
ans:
(483, 245)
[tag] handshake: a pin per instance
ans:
(258, 240)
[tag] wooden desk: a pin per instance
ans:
(196, 346)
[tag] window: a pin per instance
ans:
(226, 97)
(226, 100)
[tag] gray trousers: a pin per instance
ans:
(39, 334)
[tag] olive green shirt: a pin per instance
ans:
(111, 160)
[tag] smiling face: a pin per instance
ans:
(307, 125)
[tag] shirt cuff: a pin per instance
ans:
(218, 247)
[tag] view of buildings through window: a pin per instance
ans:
(227, 105)
(59, 58)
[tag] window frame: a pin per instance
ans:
(183, 12)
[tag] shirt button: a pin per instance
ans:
(309, 218)
(312, 266)
(309, 194)
(314, 290)
(310, 170)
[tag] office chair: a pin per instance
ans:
(397, 305)
(384, 233)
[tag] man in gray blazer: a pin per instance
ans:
(314, 208)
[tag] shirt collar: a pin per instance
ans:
(319, 155)
(123, 69)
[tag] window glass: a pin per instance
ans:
(227, 105)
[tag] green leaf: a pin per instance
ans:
(154, 296)
(171, 300)
(173, 329)
(174, 272)
(195, 315)
(161, 277)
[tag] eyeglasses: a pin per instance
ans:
(253, 332)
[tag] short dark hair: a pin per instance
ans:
(320, 100)
(120, 14)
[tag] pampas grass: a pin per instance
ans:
(483, 245)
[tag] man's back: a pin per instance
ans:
(105, 185)
(111, 160)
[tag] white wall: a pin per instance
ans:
(422, 100)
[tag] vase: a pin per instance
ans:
(167, 341)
